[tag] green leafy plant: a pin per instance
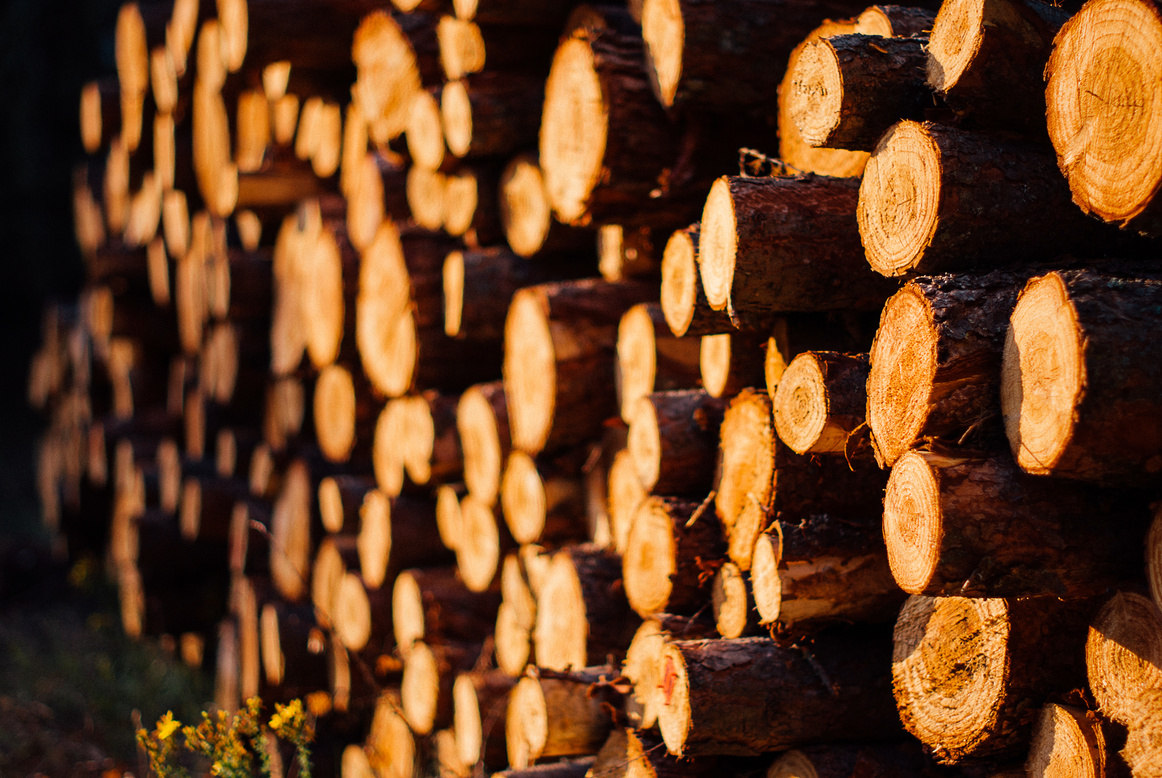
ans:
(229, 745)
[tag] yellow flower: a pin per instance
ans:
(276, 721)
(166, 726)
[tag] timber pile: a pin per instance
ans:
(441, 365)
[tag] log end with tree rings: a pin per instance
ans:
(513, 641)
(448, 516)
(478, 552)
(1104, 118)
(680, 281)
(481, 440)
(530, 372)
(387, 450)
(1067, 741)
(714, 362)
(664, 31)
(525, 212)
(290, 530)
(644, 443)
(1143, 751)
(374, 540)
(527, 723)
(718, 244)
(323, 305)
(425, 131)
(745, 473)
(420, 688)
(383, 293)
(1043, 375)
(387, 76)
(427, 197)
(801, 410)
(648, 562)
(456, 113)
(950, 670)
(626, 494)
(900, 199)
(334, 404)
(903, 366)
(955, 42)
(352, 614)
(561, 632)
(675, 716)
(574, 131)
(1123, 657)
(731, 601)
(815, 101)
(913, 526)
(522, 498)
(637, 363)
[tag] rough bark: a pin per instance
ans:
(667, 560)
(650, 359)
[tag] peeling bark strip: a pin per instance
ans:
(1080, 380)
(749, 696)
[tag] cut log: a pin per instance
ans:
(936, 362)
(1123, 657)
(433, 605)
(980, 46)
(668, 560)
(936, 199)
(290, 549)
(491, 113)
(1068, 740)
(1078, 382)
(753, 695)
(628, 252)
(820, 403)
(341, 500)
(100, 113)
(980, 527)
(449, 521)
(784, 244)
(390, 447)
(377, 193)
(643, 665)
(673, 441)
(331, 278)
(650, 359)
(394, 57)
(543, 502)
(557, 367)
(344, 408)
(397, 534)
(479, 285)
(730, 597)
(945, 664)
(207, 504)
(337, 554)
(582, 614)
(361, 617)
(515, 619)
(684, 303)
(760, 479)
(483, 541)
(480, 702)
(731, 361)
(425, 131)
(527, 216)
(550, 717)
(471, 210)
(849, 89)
(428, 675)
(817, 570)
(391, 747)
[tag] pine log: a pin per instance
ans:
(731, 361)
(673, 441)
(598, 86)
(944, 669)
(331, 278)
(484, 540)
(361, 617)
(980, 527)
(390, 448)
(979, 46)
(643, 665)
(480, 700)
(1089, 416)
(582, 614)
(969, 198)
(434, 606)
(336, 556)
(628, 251)
(206, 506)
(428, 676)
(650, 359)
(815, 571)
(290, 549)
(734, 614)
(491, 113)
(468, 47)
(550, 717)
(820, 404)
(527, 216)
(482, 424)
(344, 407)
(391, 747)
(895, 21)
(377, 193)
(667, 560)
(396, 534)
(471, 209)
(936, 362)
(760, 479)
(1123, 656)
(725, 56)
(753, 695)
(542, 502)
(684, 303)
(557, 368)
(1068, 740)
(384, 290)
(425, 132)
(394, 56)
(341, 500)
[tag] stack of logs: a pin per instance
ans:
(372, 399)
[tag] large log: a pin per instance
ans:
(784, 244)
(1078, 379)
(667, 559)
(946, 662)
(979, 527)
(1123, 657)
(753, 695)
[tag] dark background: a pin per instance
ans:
(48, 49)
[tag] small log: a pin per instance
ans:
(428, 676)
(331, 279)
(469, 47)
(434, 606)
(479, 285)
(809, 258)
(944, 665)
(820, 404)
(626, 494)
(344, 407)
(542, 502)
(550, 717)
(361, 617)
(482, 424)
(491, 113)
(471, 209)
(395, 57)
(627, 252)
(582, 613)
(396, 534)
(753, 695)
(969, 196)
(425, 131)
(480, 700)
(684, 303)
(1027, 536)
(818, 570)
(673, 441)
(449, 520)
(558, 342)
(667, 560)
(936, 362)
(483, 541)
(643, 665)
(976, 47)
(1068, 740)
(527, 216)
(731, 361)
(515, 618)
(100, 113)
(377, 193)
(1090, 417)
(341, 501)
(731, 600)
(1123, 657)
(650, 359)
